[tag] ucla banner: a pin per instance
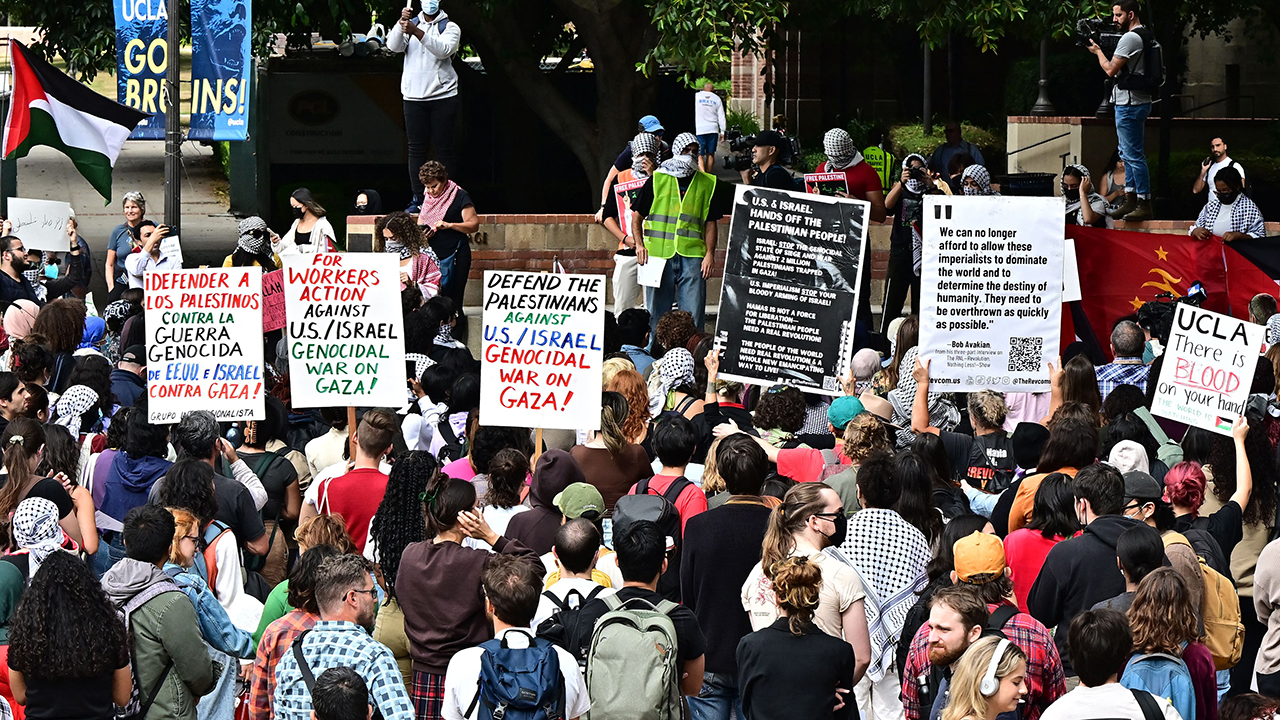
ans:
(142, 56)
(220, 67)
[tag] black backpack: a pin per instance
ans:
(1151, 79)
(661, 509)
(565, 627)
(455, 448)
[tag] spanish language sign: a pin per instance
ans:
(220, 64)
(790, 288)
(991, 291)
(1208, 368)
(142, 57)
(345, 329)
(204, 343)
(543, 346)
(42, 224)
(273, 301)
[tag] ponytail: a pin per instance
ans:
(22, 440)
(801, 502)
(444, 498)
(613, 413)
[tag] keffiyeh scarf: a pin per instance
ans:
(1273, 329)
(35, 529)
(445, 338)
(434, 208)
(118, 310)
(1073, 206)
(913, 185)
(680, 166)
(249, 242)
(72, 405)
(393, 246)
(675, 372)
(643, 144)
(842, 154)
(1245, 216)
(420, 363)
(35, 277)
(942, 413)
(979, 175)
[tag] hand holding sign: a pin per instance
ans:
(1207, 369)
(42, 224)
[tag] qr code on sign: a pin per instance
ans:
(1025, 354)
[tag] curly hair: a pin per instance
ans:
(796, 583)
(630, 384)
(987, 409)
(302, 580)
(507, 472)
(781, 407)
(31, 358)
(189, 485)
(1162, 617)
(1262, 463)
(329, 530)
(65, 627)
(404, 228)
(433, 171)
(398, 521)
(62, 322)
(675, 329)
(864, 436)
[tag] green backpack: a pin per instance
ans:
(633, 664)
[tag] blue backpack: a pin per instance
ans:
(519, 683)
(1164, 676)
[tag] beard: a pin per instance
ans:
(941, 656)
(368, 617)
(20, 263)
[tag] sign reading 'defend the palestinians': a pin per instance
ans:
(345, 329)
(1207, 369)
(991, 291)
(204, 343)
(543, 347)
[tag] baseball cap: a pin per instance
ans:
(979, 558)
(865, 364)
(843, 409)
(651, 124)
(1139, 485)
(579, 498)
(772, 138)
(136, 354)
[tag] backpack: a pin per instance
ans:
(207, 561)
(1165, 676)
(255, 563)
(929, 684)
(137, 706)
(661, 509)
(1223, 631)
(633, 666)
(455, 448)
(519, 683)
(1151, 79)
(564, 627)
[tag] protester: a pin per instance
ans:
(708, 125)
(1132, 95)
(1072, 445)
(345, 594)
(906, 201)
(1139, 552)
(1229, 213)
(608, 459)
(1163, 621)
(985, 460)
(863, 437)
(1053, 519)
(630, 384)
(1084, 205)
(644, 161)
(216, 626)
(769, 152)
(975, 180)
(990, 679)
(861, 180)
(419, 267)
(791, 668)
(555, 471)
(1248, 706)
(23, 442)
(340, 694)
(1218, 159)
(449, 216)
(674, 442)
(122, 242)
(127, 481)
(574, 579)
(148, 256)
(128, 380)
(1185, 488)
(356, 495)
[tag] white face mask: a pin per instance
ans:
(430, 7)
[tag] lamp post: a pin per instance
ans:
(1043, 106)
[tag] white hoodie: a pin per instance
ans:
(428, 73)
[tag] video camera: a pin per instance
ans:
(740, 145)
(1156, 317)
(1102, 31)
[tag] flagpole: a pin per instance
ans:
(173, 124)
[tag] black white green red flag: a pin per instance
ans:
(50, 108)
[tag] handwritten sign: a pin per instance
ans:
(625, 193)
(826, 183)
(1207, 369)
(543, 347)
(204, 343)
(345, 329)
(272, 301)
(42, 224)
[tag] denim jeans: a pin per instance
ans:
(683, 285)
(109, 553)
(719, 696)
(1131, 123)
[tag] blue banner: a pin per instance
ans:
(220, 67)
(142, 56)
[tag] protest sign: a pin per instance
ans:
(991, 291)
(543, 347)
(1207, 369)
(42, 224)
(204, 343)
(345, 329)
(272, 300)
(171, 247)
(790, 288)
(624, 193)
(142, 58)
(826, 183)
(220, 67)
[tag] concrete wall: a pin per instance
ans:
(1247, 65)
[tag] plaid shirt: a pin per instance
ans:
(276, 640)
(1045, 679)
(341, 644)
(1127, 371)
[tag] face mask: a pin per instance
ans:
(299, 212)
(1227, 198)
(916, 186)
(1072, 195)
(361, 208)
(972, 190)
(430, 7)
(51, 272)
(836, 539)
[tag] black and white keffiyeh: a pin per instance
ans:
(252, 239)
(913, 185)
(118, 310)
(420, 363)
(643, 144)
(981, 177)
(1273, 329)
(942, 412)
(396, 248)
(35, 276)
(676, 371)
(841, 152)
(681, 165)
(890, 556)
(36, 530)
(73, 404)
(1245, 216)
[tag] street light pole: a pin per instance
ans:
(928, 90)
(1043, 106)
(172, 123)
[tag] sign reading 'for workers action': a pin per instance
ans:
(1207, 369)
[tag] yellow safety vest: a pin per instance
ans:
(884, 163)
(675, 225)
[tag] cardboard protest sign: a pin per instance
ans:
(624, 193)
(1207, 369)
(790, 288)
(991, 291)
(345, 329)
(42, 224)
(272, 301)
(204, 343)
(543, 347)
(826, 183)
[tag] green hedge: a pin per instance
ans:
(909, 139)
(222, 155)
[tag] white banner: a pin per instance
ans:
(991, 291)
(204, 343)
(1207, 369)
(42, 224)
(543, 347)
(345, 330)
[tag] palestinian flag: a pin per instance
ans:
(49, 108)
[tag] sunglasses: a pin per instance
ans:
(774, 389)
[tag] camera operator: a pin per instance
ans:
(907, 198)
(1132, 95)
(767, 153)
(137, 264)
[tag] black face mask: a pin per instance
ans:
(299, 212)
(361, 208)
(1072, 195)
(1227, 198)
(836, 539)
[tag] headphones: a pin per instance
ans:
(990, 684)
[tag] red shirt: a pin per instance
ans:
(690, 502)
(861, 178)
(1024, 553)
(355, 496)
(805, 464)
